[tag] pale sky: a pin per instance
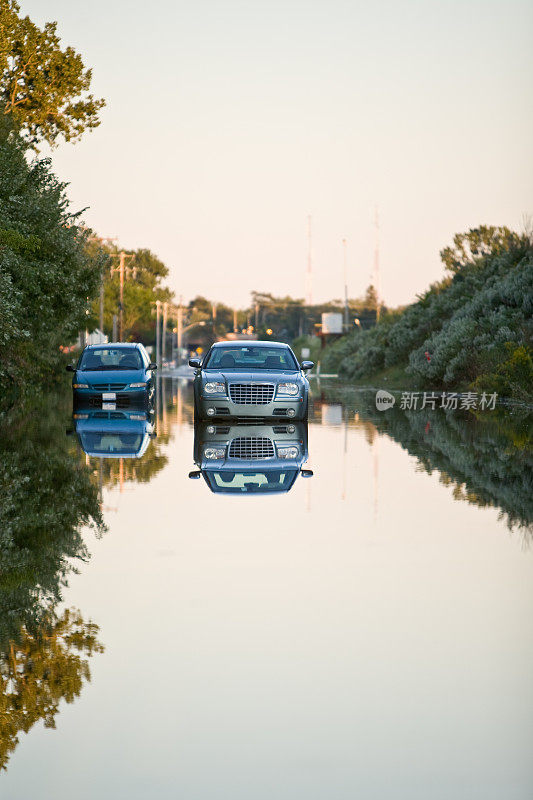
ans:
(229, 121)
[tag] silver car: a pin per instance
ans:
(250, 379)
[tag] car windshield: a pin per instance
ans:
(275, 480)
(115, 443)
(251, 358)
(111, 358)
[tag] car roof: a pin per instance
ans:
(249, 343)
(103, 345)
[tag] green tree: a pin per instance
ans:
(475, 244)
(43, 87)
(46, 271)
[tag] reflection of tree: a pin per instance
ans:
(46, 496)
(134, 470)
(487, 459)
(39, 670)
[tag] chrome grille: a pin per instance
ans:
(251, 394)
(251, 448)
(109, 387)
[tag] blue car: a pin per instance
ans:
(113, 376)
(113, 434)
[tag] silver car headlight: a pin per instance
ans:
(214, 453)
(289, 452)
(140, 385)
(214, 388)
(288, 389)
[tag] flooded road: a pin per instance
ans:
(364, 631)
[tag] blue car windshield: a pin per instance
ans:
(103, 358)
(111, 443)
(251, 358)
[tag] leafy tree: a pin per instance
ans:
(475, 244)
(39, 670)
(47, 273)
(43, 87)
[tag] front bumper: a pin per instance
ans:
(123, 398)
(224, 407)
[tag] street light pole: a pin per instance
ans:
(164, 336)
(158, 334)
(180, 331)
(345, 286)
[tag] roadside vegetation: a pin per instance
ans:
(471, 330)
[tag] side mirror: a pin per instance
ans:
(305, 365)
(151, 365)
(196, 363)
(306, 473)
(195, 474)
(70, 368)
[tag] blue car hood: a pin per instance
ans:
(110, 376)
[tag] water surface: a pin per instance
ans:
(366, 633)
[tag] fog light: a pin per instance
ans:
(210, 412)
(291, 412)
(211, 429)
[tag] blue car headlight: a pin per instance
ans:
(288, 389)
(140, 385)
(214, 387)
(80, 385)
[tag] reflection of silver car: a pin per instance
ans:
(250, 379)
(113, 434)
(250, 458)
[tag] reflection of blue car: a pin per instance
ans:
(113, 434)
(250, 459)
(113, 373)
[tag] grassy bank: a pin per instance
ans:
(472, 330)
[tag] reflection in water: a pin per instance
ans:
(46, 498)
(38, 670)
(52, 488)
(113, 434)
(239, 458)
(488, 459)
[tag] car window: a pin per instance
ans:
(115, 443)
(251, 481)
(111, 358)
(252, 358)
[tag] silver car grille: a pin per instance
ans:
(251, 448)
(106, 387)
(251, 394)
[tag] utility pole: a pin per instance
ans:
(180, 330)
(345, 285)
(121, 269)
(158, 334)
(164, 337)
(377, 280)
(309, 274)
(234, 320)
(102, 304)
(256, 316)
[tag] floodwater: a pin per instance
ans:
(362, 632)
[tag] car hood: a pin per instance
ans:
(110, 376)
(263, 376)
